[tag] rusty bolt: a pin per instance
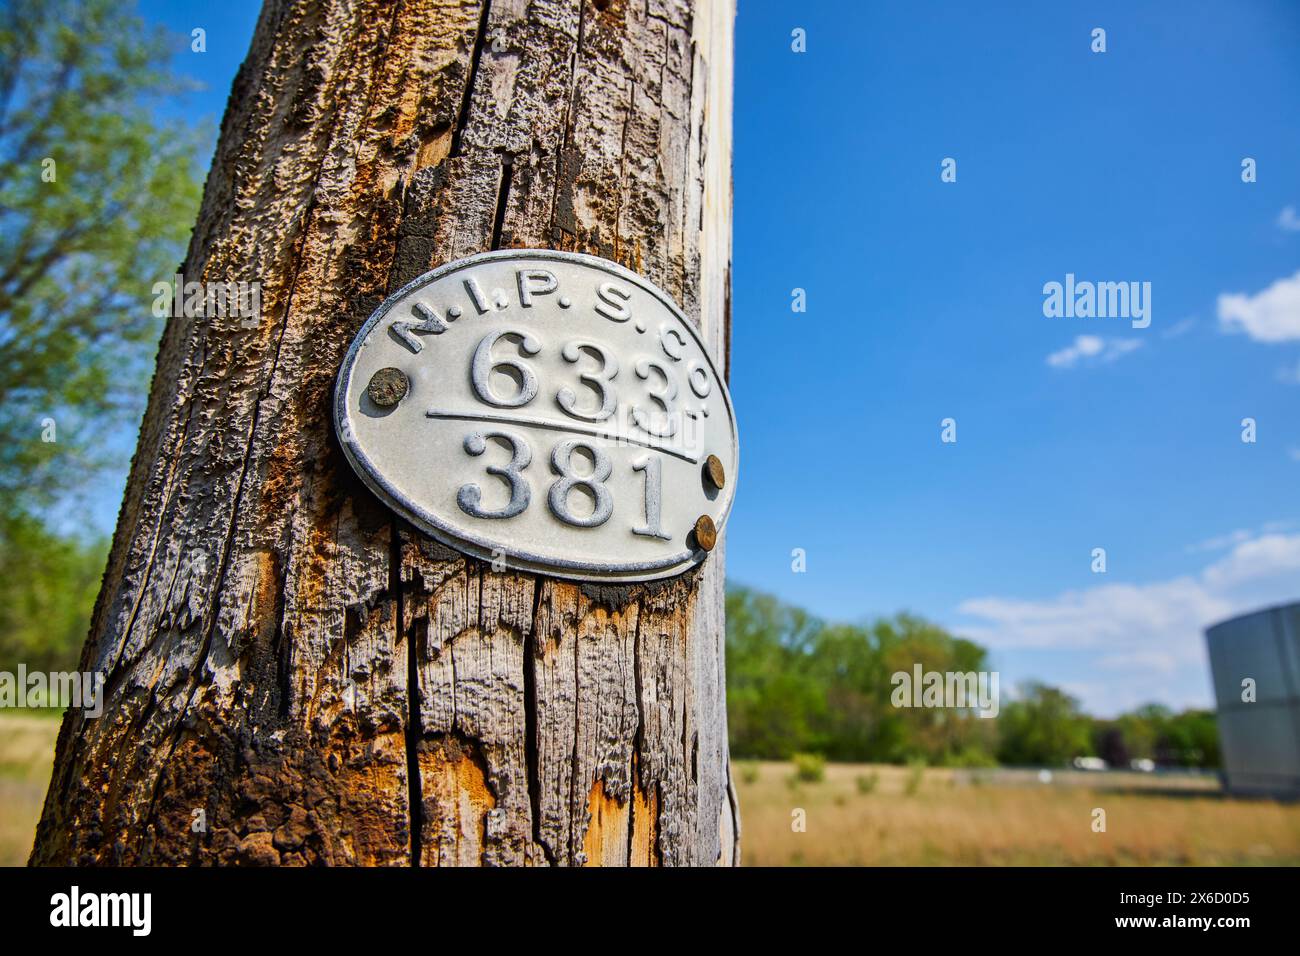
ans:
(706, 535)
(715, 472)
(388, 387)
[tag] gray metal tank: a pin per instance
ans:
(1260, 740)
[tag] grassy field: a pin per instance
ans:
(882, 815)
(861, 815)
(26, 755)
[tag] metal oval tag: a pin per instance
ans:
(543, 410)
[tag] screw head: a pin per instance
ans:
(388, 386)
(714, 471)
(706, 533)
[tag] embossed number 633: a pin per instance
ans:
(662, 424)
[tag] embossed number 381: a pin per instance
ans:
(470, 496)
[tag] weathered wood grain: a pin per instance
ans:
(324, 683)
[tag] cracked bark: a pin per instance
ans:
(324, 683)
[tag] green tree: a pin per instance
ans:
(932, 735)
(847, 666)
(48, 585)
(1141, 730)
(1191, 739)
(773, 700)
(96, 202)
(796, 684)
(1154, 732)
(1043, 726)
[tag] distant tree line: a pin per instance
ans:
(797, 684)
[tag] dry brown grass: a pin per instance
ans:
(1008, 818)
(26, 756)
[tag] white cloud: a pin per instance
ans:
(1254, 560)
(1092, 348)
(1145, 660)
(1219, 542)
(1109, 616)
(1288, 220)
(1237, 536)
(1272, 315)
(1084, 345)
(1179, 328)
(1143, 635)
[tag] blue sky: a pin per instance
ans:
(925, 301)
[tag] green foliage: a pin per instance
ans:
(1153, 732)
(96, 201)
(772, 702)
(915, 776)
(47, 590)
(867, 782)
(797, 685)
(809, 768)
(1191, 739)
(972, 758)
(1043, 726)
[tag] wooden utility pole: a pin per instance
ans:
(294, 675)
